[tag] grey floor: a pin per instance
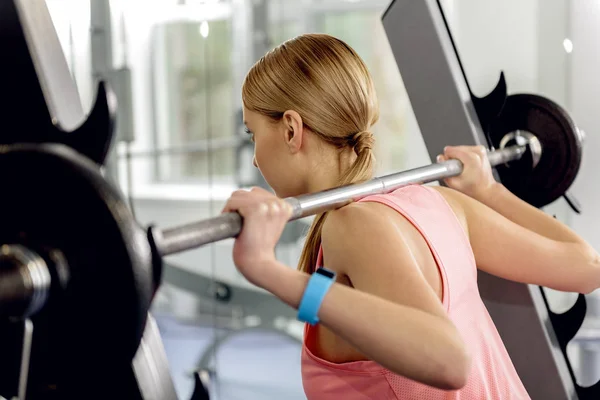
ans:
(251, 365)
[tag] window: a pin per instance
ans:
(199, 55)
(196, 129)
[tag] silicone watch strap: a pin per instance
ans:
(318, 285)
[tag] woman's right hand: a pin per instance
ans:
(476, 178)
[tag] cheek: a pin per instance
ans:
(261, 159)
(266, 160)
(263, 152)
(257, 155)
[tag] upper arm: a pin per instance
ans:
(510, 251)
(364, 244)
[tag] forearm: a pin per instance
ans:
(500, 199)
(403, 339)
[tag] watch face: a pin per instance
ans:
(326, 272)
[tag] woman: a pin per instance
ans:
(395, 313)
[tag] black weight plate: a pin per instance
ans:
(561, 148)
(53, 197)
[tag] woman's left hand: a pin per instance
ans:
(264, 218)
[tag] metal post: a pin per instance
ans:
(101, 54)
(119, 79)
(261, 44)
(442, 104)
(151, 366)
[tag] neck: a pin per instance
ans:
(327, 175)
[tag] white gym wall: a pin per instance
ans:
(584, 103)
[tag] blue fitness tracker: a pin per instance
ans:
(318, 286)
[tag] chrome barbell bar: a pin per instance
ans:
(229, 225)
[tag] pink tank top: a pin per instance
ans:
(492, 376)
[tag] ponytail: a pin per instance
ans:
(360, 171)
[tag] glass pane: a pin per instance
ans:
(195, 75)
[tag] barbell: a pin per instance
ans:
(229, 225)
(531, 129)
(89, 271)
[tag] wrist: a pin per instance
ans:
(286, 283)
(487, 193)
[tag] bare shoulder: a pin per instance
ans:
(358, 225)
(372, 218)
(352, 213)
(382, 253)
(357, 219)
(361, 235)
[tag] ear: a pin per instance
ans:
(293, 130)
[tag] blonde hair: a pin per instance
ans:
(328, 84)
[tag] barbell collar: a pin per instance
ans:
(24, 281)
(229, 225)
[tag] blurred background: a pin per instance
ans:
(177, 67)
